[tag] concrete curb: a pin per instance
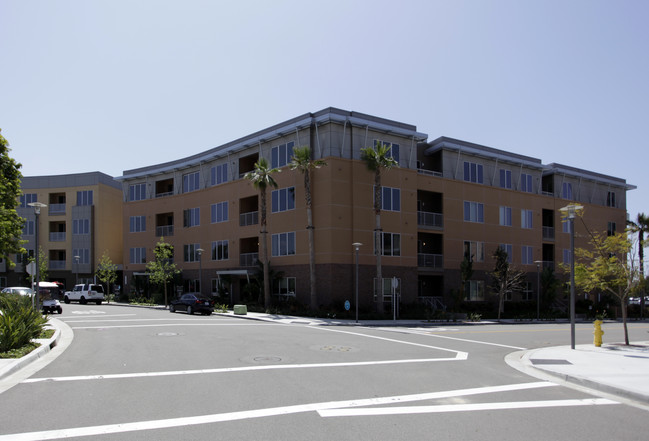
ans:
(14, 365)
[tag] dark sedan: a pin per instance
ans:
(192, 303)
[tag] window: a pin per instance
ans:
(473, 212)
(610, 229)
(473, 172)
(505, 178)
(387, 286)
(566, 226)
(390, 244)
(219, 174)
(219, 212)
(84, 198)
(528, 292)
(189, 252)
(283, 199)
(283, 244)
(474, 290)
(137, 255)
(281, 154)
(137, 192)
(191, 182)
(475, 250)
(390, 199)
(284, 286)
(566, 190)
(610, 199)
(526, 182)
(506, 216)
(27, 199)
(394, 149)
(509, 249)
(191, 217)
(527, 255)
(567, 256)
(220, 250)
(84, 256)
(28, 228)
(526, 218)
(82, 226)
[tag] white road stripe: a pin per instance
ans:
(163, 325)
(428, 334)
(260, 413)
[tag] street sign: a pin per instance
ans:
(347, 305)
(31, 268)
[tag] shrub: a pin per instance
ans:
(19, 322)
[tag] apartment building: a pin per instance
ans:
(81, 221)
(447, 197)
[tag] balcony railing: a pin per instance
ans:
(57, 237)
(56, 209)
(57, 264)
(428, 219)
(548, 233)
(250, 218)
(161, 195)
(430, 172)
(248, 259)
(164, 231)
(430, 260)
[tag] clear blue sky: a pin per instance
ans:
(111, 85)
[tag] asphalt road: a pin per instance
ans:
(142, 374)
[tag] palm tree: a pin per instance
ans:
(377, 159)
(640, 226)
(302, 161)
(261, 178)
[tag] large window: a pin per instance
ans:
(284, 286)
(474, 250)
(137, 224)
(192, 217)
(137, 255)
(526, 182)
(506, 216)
(220, 250)
(281, 154)
(610, 199)
(219, 212)
(191, 182)
(394, 149)
(509, 249)
(82, 226)
(610, 229)
(28, 228)
(283, 199)
(83, 255)
(219, 174)
(390, 199)
(137, 192)
(84, 198)
(527, 255)
(526, 218)
(283, 244)
(473, 212)
(390, 244)
(28, 198)
(567, 256)
(505, 178)
(474, 290)
(473, 172)
(189, 252)
(566, 190)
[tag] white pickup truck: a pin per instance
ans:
(84, 293)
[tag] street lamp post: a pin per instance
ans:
(37, 211)
(538, 289)
(76, 274)
(200, 269)
(357, 245)
(569, 213)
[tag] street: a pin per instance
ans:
(145, 374)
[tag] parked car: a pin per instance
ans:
(192, 302)
(18, 290)
(84, 293)
(49, 293)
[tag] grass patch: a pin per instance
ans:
(20, 352)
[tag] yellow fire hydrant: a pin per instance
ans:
(597, 341)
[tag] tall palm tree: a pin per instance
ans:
(378, 159)
(261, 178)
(640, 226)
(302, 161)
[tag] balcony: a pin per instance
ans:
(56, 209)
(57, 237)
(428, 219)
(548, 233)
(164, 231)
(435, 261)
(57, 264)
(250, 218)
(248, 259)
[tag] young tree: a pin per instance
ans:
(377, 159)
(107, 272)
(605, 267)
(506, 278)
(11, 225)
(640, 226)
(261, 177)
(302, 161)
(162, 269)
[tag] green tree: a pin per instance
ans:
(549, 286)
(11, 224)
(377, 159)
(162, 270)
(605, 267)
(302, 161)
(640, 226)
(506, 278)
(43, 266)
(107, 272)
(261, 178)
